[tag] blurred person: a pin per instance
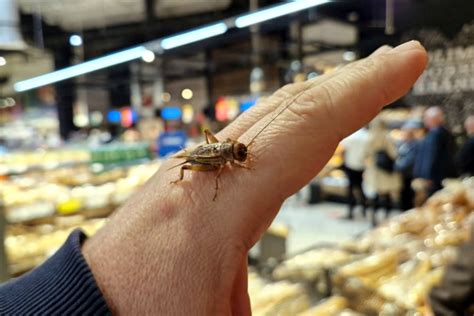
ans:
(434, 161)
(405, 162)
(380, 181)
(455, 294)
(4, 273)
(354, 165)
(465, 157)
(171, 249)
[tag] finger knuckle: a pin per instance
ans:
(287, 90)
(328, 103)
(371, 71)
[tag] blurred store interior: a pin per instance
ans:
(94, 94)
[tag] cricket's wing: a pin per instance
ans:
(207, 154)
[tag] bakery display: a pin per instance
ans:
(391, 269)
(42, 207)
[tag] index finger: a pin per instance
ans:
(324, 114)
(291, 151)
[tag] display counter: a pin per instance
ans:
(43, 206)
(389, 270)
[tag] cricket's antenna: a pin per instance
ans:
(290, 102)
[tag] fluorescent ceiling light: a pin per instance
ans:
(81, 69)
(194, 35)
(148, 56)
(276, 11)
(75, 40)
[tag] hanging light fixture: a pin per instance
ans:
(10, 35)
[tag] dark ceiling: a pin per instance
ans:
(367, 15)
(443, 14)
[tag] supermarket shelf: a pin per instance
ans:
(100, 167)
(38, 168)
(95, 167)
(50, 219)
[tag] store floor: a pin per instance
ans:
(324, 222)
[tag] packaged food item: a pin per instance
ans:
(29, 247)
(334, 305)
(309, 264)
(280, 298)
(380, 263)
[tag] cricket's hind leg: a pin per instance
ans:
(202, 168)
(194, 167)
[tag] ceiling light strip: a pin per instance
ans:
(193, 36)
(81, 69)
(276, 12)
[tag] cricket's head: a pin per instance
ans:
(239, 151)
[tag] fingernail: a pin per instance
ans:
(382, 50)
(405, 47)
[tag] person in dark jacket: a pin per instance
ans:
(455, 294)
(405, 162)
(465, 157)
(435, 158)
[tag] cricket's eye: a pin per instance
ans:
(240, 152)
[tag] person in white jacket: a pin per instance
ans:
(381, 183)
(355, 147)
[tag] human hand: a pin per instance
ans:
(171, 250)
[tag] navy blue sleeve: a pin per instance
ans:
(62, 285)
(465, 158)
(425, 162)
(432, 155)
(406, 158)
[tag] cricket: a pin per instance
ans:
(214, 155)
